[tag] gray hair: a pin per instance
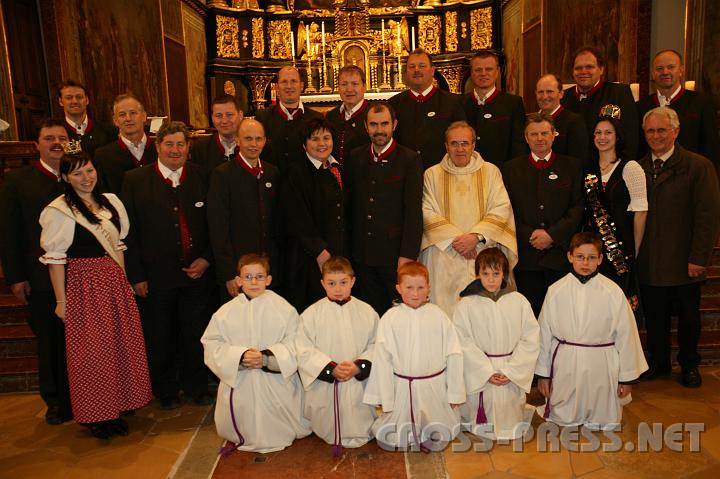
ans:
(460, 124)
(665, 111)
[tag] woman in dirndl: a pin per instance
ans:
(82, 233)
(622, 190)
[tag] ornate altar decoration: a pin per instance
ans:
(321, 36)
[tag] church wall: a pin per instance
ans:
(7, 108)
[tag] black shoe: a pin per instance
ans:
(655, 372)
(99, 430)
(169, 403)
(690, 378)
(56, 415)
(118, 427)
(129, 412)
(203, 399)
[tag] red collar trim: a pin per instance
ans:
(543, 164)
(142, 161)
(492, 97)
(558, 111)
(675, 98)
(168, 181)
(88, 128)
(423, 98)
(47, 172)
(219, 144)
(590, 92)
(296, 114)
(257, 172)
(384, 156)
(360, 111)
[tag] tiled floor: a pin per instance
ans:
(182, 444)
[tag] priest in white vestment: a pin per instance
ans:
(259, 410)
(465, 209)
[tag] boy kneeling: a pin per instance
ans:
(334, 349)
(590, 352)
(249, 345)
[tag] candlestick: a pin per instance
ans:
(324, 88)
(307, 38)
(412, 40)
(292, 47)
(385, 85)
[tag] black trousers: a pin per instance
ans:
(658, 302)
(534, 284)
(376, 286)
(50, 333)
(178, 318)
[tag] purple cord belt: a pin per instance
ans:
(424, 448)
(232, 447)
(337, 444)
(481, 418)
(560, 342)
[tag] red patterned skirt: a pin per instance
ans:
(106, 359)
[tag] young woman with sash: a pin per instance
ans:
(619, 197)
(82, 233)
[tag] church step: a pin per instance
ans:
(16, 340)
(18, 375)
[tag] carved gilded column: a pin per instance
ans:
(217, 4)
(453, 76)
(258, 85)
(481, 28)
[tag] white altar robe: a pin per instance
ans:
(585, 382)
(456, 201)
(330, 332)
(415, 342)
(497, 328)
(268, 407)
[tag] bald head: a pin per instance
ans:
(251, 140)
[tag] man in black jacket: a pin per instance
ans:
(241, 208)
(218, 148)
(133, 149)
(167, 258)
(591, 93)
(498, 117)
(25, 193)
(699, 130)
(348, 119)
(545, 191)
(383, 184)
(73, 98)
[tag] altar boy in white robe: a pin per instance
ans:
(417, 374)
(250, 346)
(501, 342)
(334, 346)
(590, 352)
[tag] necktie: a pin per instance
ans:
(336, 173)
(658, 164)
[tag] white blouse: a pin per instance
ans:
(58, 230)
(635, 181)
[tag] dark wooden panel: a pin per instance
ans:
(176, 67)
(531, 70)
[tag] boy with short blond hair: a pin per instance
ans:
(250, 346)
(590, 352)
(417, 374)
(334, 345)
(500, 339)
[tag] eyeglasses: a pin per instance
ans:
(460, 144)
(250, 277)
(582, 258)
(659, 131)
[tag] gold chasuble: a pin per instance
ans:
(456, 201)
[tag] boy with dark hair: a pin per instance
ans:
(500, 340)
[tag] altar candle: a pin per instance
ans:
(412, 39)
(383, 34)
(323, 36)
(292, 45)
(398, 39)
(307, 37)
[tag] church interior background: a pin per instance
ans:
(176, 55)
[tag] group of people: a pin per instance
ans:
(380, 184)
